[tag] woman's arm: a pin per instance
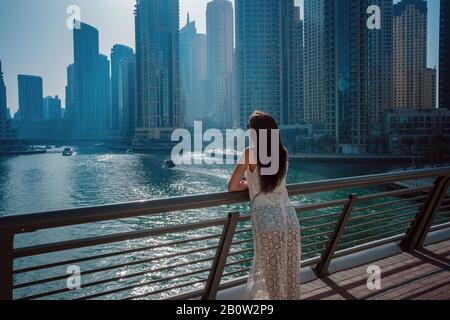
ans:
(237, 184)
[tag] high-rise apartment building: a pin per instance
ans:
(126, 87)
(348, 71)
(263, 53)
(410, 52)
(193, 90)
(380, 71)
(7, 133)
(202, 63)
(30, 97)
(345, 62)
(157, 67)
(444, 53)
(90, 114)
(220, 45)
(296, 111)
(428, 87)
(70, 93)
(314, 99)
(52, 108)
(118, 53)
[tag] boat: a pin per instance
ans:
(223, 152)
(169, 164)
(67, 152)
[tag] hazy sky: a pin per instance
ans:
(34, 38)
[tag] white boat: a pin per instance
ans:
(67, 152)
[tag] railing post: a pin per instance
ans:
(327, 255)
(226, 239)
(6, 266)
(416, 235)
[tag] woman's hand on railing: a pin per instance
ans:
(237, 182)
(241, 186)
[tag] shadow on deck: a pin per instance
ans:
(419, 274)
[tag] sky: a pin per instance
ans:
(34, 38)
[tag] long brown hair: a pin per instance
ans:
(264, 121)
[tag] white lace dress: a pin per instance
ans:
(275, 274)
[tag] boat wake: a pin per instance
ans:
(220, 174)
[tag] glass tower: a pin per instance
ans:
(345, 63)
(157, 67)
(220, 44)
(118, 53)
(30, 97)
(263, 50)
(90, 112)
(444, 53)
(6, 132)
(126, 86)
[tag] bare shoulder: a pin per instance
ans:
(245, 157)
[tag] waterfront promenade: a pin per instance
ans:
(405, 159)
(403, 231)
(422, 274)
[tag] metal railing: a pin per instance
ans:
(197, 259)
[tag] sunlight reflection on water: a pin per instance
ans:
(52, 182)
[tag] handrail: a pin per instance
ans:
(60, 218)
(232, 249)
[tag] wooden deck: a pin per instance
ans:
(419, 275)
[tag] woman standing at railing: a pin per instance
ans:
(275, 272)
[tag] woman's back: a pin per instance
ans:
(279, 196)
(276, 233)
(276, 229)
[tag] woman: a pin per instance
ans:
(276, 230)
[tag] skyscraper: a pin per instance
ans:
(118, 53)
(30, 97)
(126, 86)
(2, 99)
(444, 53)
(297, 67)
(192, 104)
(103, 97)
(157, 67)
(428, 87)
(345, 63)
(220, 44)
(410, 52)
(380, 73)
(90, 114)
(202, 48)
(202, 63)
(6, 132)
(52, 108)
(314, 102)
(263, 49)
(336, 71)
(70, 92)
